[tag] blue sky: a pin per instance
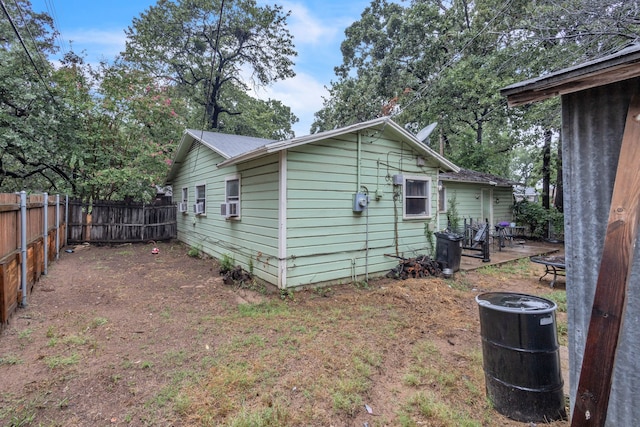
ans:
(97, 27)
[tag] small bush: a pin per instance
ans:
(538, 218)
(194, 252)
(227, 263)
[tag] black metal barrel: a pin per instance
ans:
(449, 250)
(521, 356)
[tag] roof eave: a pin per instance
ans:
(442, 162)
(177, 159)
(616, 67)
(201, 140)
(469, 181)
(294, 142)
(249, 155)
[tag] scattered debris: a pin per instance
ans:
(420, 266)
(235, 275)
(368, 408)
(155, 251)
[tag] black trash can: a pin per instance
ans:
(449, 250)
(521, 356)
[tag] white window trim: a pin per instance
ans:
(185, 200)
(195, 192)
(426, 179)
(239, 198)
(442, 199)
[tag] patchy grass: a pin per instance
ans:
(559, 297)
(520, 268)
(170, 344)
(10, 359)
(98, 321)
(55, 362)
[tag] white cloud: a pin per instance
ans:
(305, 28)
(97, 43)
(302, 93)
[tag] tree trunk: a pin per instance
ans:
(546, 168)
(559, 200)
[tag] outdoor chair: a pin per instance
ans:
(503, 234)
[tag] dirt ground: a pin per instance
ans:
(117, 336)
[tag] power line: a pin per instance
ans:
(24, 46)
(51, 8)
(26, 25)
(451, 60)
(213, 63)
(210, 88)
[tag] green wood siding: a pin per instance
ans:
(469, 197)
(327, 241)
(253, 237)
(503, 210)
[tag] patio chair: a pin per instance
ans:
(503, 234)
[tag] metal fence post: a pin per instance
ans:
(23, 246)
(66, 219)
(57, 226)
(45, 219)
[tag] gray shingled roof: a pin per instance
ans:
(228, 145)
(468, 175)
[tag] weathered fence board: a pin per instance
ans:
(9, 284)
(21, 267)
(120, 222)
(49, 225)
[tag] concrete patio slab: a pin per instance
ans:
(520, 248)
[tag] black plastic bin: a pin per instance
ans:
(449, 250)
(521, 356)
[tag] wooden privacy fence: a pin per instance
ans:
(32, 231)
(121, 222)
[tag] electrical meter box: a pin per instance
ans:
(360, 202)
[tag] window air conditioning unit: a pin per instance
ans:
(198, 208)
(182, 207)
(229, 210)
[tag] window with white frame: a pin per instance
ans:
(184, 202)
(442, 198)
(417, 200)
(232, 196)
(200, 205)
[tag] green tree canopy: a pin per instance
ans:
(29, 102)
(109, 131)
(431, 61)
(203, 47)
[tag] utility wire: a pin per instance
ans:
(51, 8)
(209, 89)
(451, 60)
(33, 39)
(24, 46)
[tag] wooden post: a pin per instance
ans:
(594, 386)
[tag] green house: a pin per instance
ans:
(331, 207)
(477, 196)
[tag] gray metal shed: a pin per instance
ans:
(600, 110)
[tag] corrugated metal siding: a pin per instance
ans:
(593, 125)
